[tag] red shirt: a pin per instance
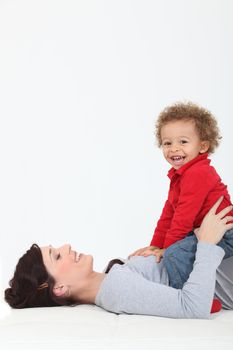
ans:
(194, 188)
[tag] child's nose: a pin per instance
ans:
(175, 147)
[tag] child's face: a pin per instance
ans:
(181, 142)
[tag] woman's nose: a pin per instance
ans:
(65, 248)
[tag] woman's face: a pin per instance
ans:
(67, 266)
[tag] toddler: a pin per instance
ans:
(187, 134)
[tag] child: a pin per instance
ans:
(187, 134)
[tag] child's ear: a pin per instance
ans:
(61, 291)
(205, 145)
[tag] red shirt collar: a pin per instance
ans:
(182, 169)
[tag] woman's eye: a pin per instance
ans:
(58, 256)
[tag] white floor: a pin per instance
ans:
(89, 327)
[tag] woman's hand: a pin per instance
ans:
(214, 225)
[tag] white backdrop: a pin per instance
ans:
(81, 84)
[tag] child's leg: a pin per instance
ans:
(178, 260)
(179, 257)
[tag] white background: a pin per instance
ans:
(81, 85)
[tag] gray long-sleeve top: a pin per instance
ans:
(141, 286)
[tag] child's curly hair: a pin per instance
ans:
(205, 122)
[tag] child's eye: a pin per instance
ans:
(58, 256)
(166, 143)
(183, 141)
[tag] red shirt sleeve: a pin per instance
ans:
(194, 188)
(163, 225)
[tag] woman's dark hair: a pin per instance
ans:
(113, 262)
(31, 285)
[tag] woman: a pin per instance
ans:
(47, 277)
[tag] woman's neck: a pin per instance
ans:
(86, 293)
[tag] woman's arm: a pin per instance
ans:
(131, 293)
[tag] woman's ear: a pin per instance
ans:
(61, 291)
(205, 145)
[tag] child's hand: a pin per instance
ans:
(146, 251)
(151, 250)
(158, 253)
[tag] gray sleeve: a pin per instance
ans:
(133, 294)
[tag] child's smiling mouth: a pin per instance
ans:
(177, 160)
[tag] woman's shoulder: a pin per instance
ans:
(138, 267)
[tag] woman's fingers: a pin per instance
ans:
(216, 205)
(229, 226)
(228, 218)
(224, 212)
(214, 226)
